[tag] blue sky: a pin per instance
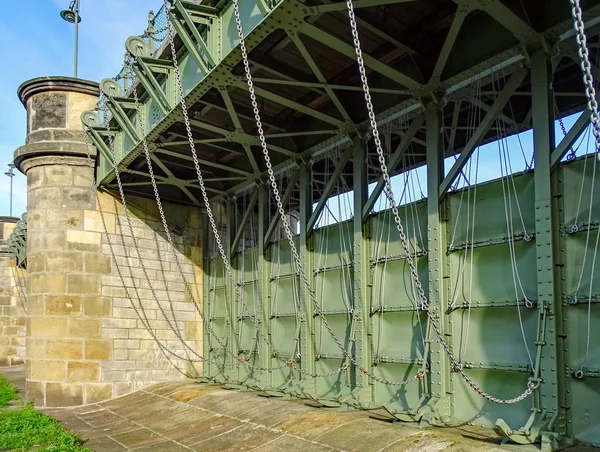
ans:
(37, 42)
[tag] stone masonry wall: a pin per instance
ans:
(12, 303)
(137, 360)
(86, 343)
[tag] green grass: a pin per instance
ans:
(7, 392)
(27, 429)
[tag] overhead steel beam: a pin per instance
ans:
(395, 160)
(343, 6)
(292, 104)
(247, 214)
(204, 162)
(348, 50)
(331, 86)
(514, 82)
(284, 200)
(333, 180)
(319, 75)
(582, 123)
(505, 17)
(457, 22)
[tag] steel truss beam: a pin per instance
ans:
(393, 163)
(572, 136)
(482, 129)
(331, 183)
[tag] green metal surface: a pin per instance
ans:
(17, 242)
(490, 332)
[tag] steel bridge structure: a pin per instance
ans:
(446, 77)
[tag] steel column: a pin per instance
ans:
(440, 378)
(307, 329)
(549, 303)
(361, 315)
(234, 375)
(264, 286)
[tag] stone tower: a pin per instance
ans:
(63, 261)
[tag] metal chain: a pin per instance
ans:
(168, 353)
(139, 254)
(413, 270)
(210, 214)
(170, 239)
(586, 68)
(286, 226)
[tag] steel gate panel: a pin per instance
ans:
(581, 204)
(284, 308)
(398, 331)
(489, 333)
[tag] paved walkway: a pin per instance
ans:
(186, 416)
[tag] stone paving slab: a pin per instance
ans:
(187, 416)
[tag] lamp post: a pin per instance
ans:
(10, 173)
(72, 16)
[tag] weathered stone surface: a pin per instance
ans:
(98, 349)
(63, 394)
(64, 349)
(83, 371)
(47, 110)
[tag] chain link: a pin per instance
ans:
(390, 196)
(145, 322)
(210, 214)
(283, 216)
(586, 68)
(172, 246)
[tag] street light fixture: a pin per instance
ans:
(72, 16)
(10, 173)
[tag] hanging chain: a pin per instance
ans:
(586, 68)
(210, 214)
(283, 216)
(172, 246)
(168, 353)
(413, 270)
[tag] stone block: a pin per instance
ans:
(84, 328)
(83, 284)
(123, 343)
(98, 392)
(109, 204)
(98, 263)
(35, 305)
(48, 370)
(36, 219)
(97, 306)
(48, 283)
(48, 241)
(77, 197)
(35, 392)
(98, 349)
(65, 218)
(115, 333)
(64, 349)
(36, 262)
(83, 240)
(48, 327)
(58, 175)
(82, 176)
(45, 197)
(35, 177)
(93, 221)
(66, 261)
(63, 305)
(83, 371)
(36, 348)
(61, 394)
